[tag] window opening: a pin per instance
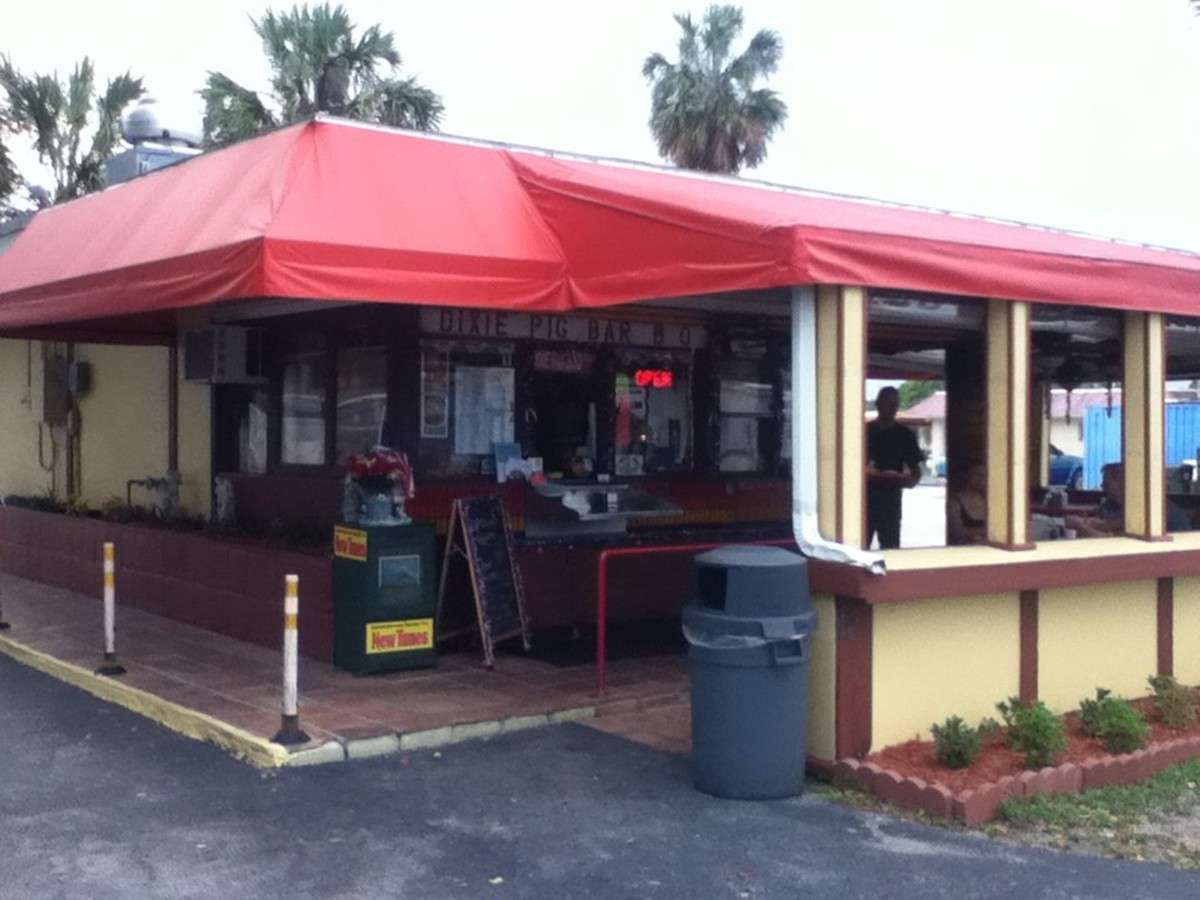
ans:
(1076, 366)
(1182, 419)
(926, 422)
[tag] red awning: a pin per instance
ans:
(330, 210)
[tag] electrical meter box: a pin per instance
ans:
(384, 597)
(52, 402)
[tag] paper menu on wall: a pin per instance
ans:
(483, 408)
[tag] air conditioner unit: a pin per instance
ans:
(224, 355)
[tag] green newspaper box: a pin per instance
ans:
(384, 597)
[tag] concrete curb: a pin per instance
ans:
(188, 722)
(258, 750)
(329, 752)
(379, 745)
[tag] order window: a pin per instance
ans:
(652, 415)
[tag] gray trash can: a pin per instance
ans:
(748, 644)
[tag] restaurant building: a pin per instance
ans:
(697, 346)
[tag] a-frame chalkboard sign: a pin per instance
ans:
(479, 533)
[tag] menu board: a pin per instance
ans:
(479, 533)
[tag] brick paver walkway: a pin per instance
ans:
(239, 682)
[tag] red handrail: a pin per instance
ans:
(602, 589)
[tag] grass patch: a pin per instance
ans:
(1173, 790)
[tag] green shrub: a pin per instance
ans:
(956, 743)
(1117, 723)
(1089, 713)
(1033, 730)
(44, 502)
(1175, 703)
(988, 726)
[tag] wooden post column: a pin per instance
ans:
(1142, 423)
(841, 374)
(1008, 424)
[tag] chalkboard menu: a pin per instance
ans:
(479, 533)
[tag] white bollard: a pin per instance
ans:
(289, 729)
(110, 665)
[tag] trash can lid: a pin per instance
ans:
(747, 555)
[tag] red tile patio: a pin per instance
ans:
(239, 683)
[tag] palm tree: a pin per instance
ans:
(57, 115)
(318, 65)
(705, 111)
(9, 179)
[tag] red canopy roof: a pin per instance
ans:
(334, 210)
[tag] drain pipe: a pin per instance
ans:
(805, 525)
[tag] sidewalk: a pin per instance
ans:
(239, 684)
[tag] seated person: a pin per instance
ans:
(1177, 517)
(966, 509)
(1109, 517)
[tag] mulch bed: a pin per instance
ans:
(916, 758)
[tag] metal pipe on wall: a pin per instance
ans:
(805, 525)
(71, 480)
(173, 407)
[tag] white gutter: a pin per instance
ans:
(805, 525)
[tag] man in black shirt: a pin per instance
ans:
(893, 463)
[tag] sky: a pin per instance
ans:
(1079, 114)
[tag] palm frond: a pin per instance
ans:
(654, 63)
(403, 103)
(722, 25)
(34, 105)
(760, 59)
(119, 93)
(10, 179)
(231, 112)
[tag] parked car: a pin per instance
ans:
(1065, 469)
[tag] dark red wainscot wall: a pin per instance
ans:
(223, 585)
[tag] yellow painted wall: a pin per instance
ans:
(1007, 420)
(938, 658)
(1187, 630)
(841, 330)
(1142, 423)
(123, 420)
(822, 682)
(1097, 635)
(20, 472)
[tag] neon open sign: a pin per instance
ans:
(654, 378)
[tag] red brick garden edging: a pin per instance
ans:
(980, 804)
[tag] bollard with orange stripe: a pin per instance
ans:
(289, 730)
(110, 666)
